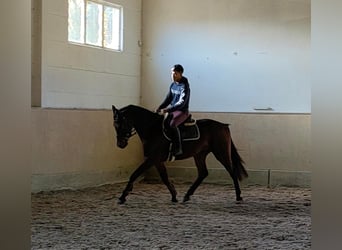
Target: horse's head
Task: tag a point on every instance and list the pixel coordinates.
(123, 127)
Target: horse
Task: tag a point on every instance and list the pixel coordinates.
(214, 137)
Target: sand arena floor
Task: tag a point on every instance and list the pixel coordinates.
(275, 218)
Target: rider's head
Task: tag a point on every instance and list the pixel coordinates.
(177, 72)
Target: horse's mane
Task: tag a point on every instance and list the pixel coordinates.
(134, 108)
(145, 121)
(140, 112)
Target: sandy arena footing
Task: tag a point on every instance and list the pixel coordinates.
(268, 218)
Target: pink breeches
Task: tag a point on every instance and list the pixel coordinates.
(178, 117)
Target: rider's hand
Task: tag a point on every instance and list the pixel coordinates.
(161, 111)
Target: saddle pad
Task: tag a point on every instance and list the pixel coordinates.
(188, 133)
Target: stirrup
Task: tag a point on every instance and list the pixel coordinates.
(180, 152)
(171, 157)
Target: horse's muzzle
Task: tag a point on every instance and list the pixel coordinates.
(121, 143)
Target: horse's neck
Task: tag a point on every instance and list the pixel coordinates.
(145, 122)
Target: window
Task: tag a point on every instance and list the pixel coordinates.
(96, 24)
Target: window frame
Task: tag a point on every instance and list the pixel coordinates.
(84, 38)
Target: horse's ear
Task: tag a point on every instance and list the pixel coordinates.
(113, 108)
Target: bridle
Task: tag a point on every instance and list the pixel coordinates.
(125, 130)
(128, 134)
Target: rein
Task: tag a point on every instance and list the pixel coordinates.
(133, 132)
(130, 134)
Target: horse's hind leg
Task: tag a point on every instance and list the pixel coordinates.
(163, 175)
(202, 173)
(236, 186)
(224, 159)
(144, 166)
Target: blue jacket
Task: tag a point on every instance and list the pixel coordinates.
(178, 96)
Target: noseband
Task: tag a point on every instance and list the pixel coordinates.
(128, 134)
(127, 130)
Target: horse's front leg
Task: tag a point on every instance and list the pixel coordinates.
(164, 176)
(142, 168)
(202, 174)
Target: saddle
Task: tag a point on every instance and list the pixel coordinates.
(188, 129)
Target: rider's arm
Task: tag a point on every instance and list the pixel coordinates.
(166, 101)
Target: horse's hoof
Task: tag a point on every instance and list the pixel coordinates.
(121, 201)
(239, 200)
(174, 200)
(186, 198)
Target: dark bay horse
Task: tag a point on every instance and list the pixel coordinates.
(215, 137)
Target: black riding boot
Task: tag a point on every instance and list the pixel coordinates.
(176, 142)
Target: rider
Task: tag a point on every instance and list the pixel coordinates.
(176, 104)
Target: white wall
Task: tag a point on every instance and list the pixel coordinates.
(76, 76)
(238, 54)
(77, 148)
(83, 77)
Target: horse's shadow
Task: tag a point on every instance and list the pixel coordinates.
(256, 207)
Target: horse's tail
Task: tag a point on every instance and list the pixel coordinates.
(238, 163)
